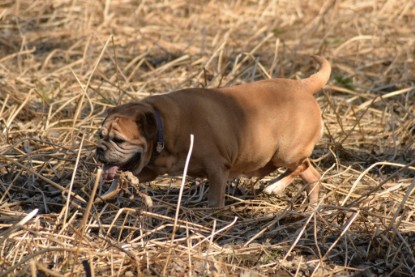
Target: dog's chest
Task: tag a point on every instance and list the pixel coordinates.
(173, 166)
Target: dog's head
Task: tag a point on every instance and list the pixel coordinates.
(127, 137)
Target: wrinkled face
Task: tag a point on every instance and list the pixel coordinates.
(126, 140)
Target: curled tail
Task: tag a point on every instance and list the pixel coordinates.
(315, 82)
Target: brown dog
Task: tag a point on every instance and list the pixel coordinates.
(250, 129)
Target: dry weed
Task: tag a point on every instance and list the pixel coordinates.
(63, 63)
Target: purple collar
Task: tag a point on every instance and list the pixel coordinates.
(160, 136)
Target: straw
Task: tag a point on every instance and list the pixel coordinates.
(64, 63)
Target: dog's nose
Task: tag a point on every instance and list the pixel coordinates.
(100, 150)
(100, 134)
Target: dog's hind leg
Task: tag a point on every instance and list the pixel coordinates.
(279, 184)
(311, 178)
(306, 171)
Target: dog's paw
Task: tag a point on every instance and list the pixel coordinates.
(275, 189)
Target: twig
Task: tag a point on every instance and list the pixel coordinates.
(73, 178)
(176, 217)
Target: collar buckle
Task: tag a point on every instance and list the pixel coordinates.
(160, 136)
(159, 147)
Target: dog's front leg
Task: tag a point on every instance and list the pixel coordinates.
(217, 187)
(147, 175)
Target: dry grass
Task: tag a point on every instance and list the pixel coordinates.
(62, 63)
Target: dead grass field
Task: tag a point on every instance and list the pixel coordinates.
(64, 62)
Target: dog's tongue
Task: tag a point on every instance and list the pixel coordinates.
(109, 171)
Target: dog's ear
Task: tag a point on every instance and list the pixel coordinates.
(109, 111)
(148, 124)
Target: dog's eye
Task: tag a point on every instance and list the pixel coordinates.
(117, 140)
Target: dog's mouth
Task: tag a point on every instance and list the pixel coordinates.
(110, 170)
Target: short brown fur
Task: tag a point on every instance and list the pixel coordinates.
(250, 129)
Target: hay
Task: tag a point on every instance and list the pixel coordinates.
(63, 63)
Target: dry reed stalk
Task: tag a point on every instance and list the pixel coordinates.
(179, 202)
(62, 64)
